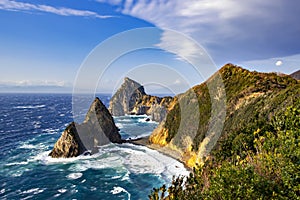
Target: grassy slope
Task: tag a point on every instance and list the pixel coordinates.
(252, 98)
(258, 153)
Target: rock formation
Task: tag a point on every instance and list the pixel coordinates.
(132, 99)
(296, 75)
(97, 129)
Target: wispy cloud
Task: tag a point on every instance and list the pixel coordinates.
(21, 6)
(251, 29)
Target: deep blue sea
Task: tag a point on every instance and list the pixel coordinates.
(30, 124)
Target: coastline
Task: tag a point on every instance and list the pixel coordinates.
(144, 141)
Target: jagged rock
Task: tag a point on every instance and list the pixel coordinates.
(125, 98)
(132, 99)
(69, 144)
(97, 129)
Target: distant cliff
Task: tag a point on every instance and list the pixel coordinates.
(296, 75)
(131, 98)
(252, 98)
(97, 129)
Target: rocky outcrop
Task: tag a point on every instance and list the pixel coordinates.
(132, 99)
(97, 129)
(296, 75)
(125, 98)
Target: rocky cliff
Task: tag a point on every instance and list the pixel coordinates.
(296, 75)
(131, 98)
(97, 129)
(192, 126)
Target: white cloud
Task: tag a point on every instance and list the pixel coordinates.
(229, 29)
(278, 63)
(22, 83)
(20, 6)
(180, 45)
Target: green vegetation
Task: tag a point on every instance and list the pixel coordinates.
(269, 171)
(258, 153)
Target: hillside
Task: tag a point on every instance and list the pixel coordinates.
(257, 154)
(251, 99)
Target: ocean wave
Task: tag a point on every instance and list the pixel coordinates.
(30, 107)
(50, 130)
(117, 190)
(33, 190)
(74, 176)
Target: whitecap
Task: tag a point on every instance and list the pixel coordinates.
(2, 191)
(17, 163)
(27, 146)
(33, 190)
(30, 106)
(74, 176)
(117, 190)
(62, 190)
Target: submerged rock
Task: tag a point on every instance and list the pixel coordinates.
(97, 129)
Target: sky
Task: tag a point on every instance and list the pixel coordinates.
(46, 46)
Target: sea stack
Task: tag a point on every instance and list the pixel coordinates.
(125, 98)
(97, 129)
(131, 98)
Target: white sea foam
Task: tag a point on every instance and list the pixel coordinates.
(62, 190)
(2, 191)
(50, 130)
(30, 107)
(74, 176)
(33, 190)
(17, 163)
(119, 125)
(27, 146)
(118, 190)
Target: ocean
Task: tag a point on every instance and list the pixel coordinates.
(30, 124)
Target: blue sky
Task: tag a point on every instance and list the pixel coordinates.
(44, 43)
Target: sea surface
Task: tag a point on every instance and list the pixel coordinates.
(30, 124)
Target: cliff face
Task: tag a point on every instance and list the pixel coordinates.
(251, 100)
(97, 129)
(132, 99)
(296, 75)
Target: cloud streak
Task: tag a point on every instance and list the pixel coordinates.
(20, 6)
(230, 30)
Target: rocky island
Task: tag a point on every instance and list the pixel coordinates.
(97, 129)
(131, 98)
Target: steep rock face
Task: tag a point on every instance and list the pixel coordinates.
(132, 99)
(69, 144)
(251, 100)
(97, 129)
(296, 75)
(124, 99)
